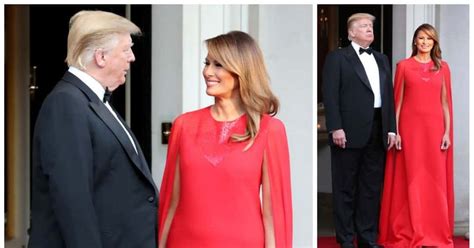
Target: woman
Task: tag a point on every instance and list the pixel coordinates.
(219, 158)
(417, 202)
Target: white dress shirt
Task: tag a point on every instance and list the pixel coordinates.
(372, 71)
(99, 90)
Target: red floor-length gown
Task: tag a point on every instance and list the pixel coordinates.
(219, 203)
(418, 199)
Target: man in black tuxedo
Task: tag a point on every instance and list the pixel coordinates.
(92, 187)
(359, 106)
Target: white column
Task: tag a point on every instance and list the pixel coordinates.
(406, 18)
(416, 15)
(201, 22)
(191, 57)
(212, 24)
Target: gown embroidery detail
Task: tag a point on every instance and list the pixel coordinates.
(216, 143)
(426, 71)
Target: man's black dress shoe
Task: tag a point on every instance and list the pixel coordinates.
(365, 245)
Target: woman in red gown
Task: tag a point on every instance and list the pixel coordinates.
(221, 156)
(417, 202)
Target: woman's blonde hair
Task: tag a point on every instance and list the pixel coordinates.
(435, 53)
(240, 55)
(92, 30)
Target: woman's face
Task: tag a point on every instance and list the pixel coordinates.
(219, 81)
(424, 42)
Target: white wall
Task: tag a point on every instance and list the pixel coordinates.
(285, 36)
(167, 67)
(284, 33)
(454, 39)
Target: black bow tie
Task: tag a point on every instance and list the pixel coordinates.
(368, 50)
(107, 95)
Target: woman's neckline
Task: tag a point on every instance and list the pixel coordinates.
(420, 61)
(223, 121)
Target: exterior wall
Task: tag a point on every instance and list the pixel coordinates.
(453, 27)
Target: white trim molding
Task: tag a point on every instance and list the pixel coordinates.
(417, 15)
(201, 22)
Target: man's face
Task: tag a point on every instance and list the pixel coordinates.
(118, 60)
(362, 32)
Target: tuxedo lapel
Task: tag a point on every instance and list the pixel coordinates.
(114, 126)
(104, 114)
(143, 164)
(357, 65)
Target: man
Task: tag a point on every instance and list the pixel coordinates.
(91, 184)
(359, 105)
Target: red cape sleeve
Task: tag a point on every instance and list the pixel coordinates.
(398, 82)
(449, 163)
(390, 168)
(166, 189)
(278, 164)
(390, 184)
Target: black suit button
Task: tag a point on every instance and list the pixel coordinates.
(151, 199)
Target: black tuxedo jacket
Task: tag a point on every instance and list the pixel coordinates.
(349, 100)
(90, 188)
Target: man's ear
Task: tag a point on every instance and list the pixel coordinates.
(99, 57)
(351, 33)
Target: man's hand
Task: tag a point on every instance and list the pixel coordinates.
(398, 142)
(391, 141)
(339, 138)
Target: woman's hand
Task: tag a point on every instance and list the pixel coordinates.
(445, 142)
